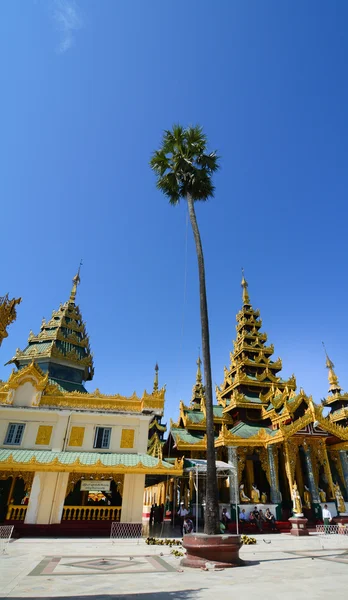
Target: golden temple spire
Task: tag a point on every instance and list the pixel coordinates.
(333, 379)
(155, 383)
(198, 388)
(244, 284)
(76, 280)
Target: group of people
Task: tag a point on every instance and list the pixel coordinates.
(258, 518)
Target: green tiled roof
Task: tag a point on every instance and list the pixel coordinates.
(252, 398)
(46, 457)
(186, 436)
(67, 386)
(195, 416)
(217, 410)
(37, 349)
(245, 430)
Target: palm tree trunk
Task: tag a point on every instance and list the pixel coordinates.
(211, 522)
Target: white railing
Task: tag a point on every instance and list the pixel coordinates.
(5, 536)
(126, 531)
(332, 530)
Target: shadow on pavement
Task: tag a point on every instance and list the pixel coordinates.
(175, 595)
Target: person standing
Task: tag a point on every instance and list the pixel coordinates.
(182, 513)
(327, 518)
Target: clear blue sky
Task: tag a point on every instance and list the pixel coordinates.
(87, 88)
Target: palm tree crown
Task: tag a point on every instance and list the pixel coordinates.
(183, 166)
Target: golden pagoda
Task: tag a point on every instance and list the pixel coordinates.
(66, 453)
(272, 436)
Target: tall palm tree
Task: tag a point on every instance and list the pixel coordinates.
(184, 170)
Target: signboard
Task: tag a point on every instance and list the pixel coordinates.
(95, 486)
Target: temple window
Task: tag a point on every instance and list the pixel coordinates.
(102, 437)
(14, 434)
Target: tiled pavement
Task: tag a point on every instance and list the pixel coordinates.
(279, 566)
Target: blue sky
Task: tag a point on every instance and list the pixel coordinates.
(87, 88)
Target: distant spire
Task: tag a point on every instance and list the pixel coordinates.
(76, 280)
(333, 379)
(244, 284)
(155, 383)
(198, 388)
(199, 372)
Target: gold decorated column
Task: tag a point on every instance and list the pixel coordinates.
(290, 455)
(249, 467)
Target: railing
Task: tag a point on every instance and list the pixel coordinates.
(89, 513)
(332, 530)
(16, 512)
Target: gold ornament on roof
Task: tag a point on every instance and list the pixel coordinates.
(8, 314)
(244, 284)
(76, 281)
(155, 383)
(333, 379)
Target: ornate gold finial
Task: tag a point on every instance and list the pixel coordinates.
(155, 383)
(8, 314)
(244, 284)
(333, 379)
(199, 372)
(76, 280)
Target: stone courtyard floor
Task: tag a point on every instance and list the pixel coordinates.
(278, 566)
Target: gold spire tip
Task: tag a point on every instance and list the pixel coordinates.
(155, 382)
(332, 377)
(199, 372)
(76, 280)
(244, 284)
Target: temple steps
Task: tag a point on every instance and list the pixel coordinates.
(64, 529)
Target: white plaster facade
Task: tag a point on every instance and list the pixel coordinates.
(49, 488)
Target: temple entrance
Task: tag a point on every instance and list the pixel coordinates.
(254, 478)
(93, 499)
(14, 497)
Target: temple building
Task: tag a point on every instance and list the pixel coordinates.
(66, 454)
(270, 437)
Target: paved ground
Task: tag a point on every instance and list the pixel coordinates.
(279, 566)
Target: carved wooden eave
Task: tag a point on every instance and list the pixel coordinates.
(252, 347)
(10, 465)
(313, 414)
(226, 438)
(338, 415)
(31, 373)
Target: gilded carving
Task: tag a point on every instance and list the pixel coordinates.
(265, 463)
(8, 314)
(76, 436)
(241, 457)
(44, 433)
(127, 438)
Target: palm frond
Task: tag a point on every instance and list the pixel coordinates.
(183, 166)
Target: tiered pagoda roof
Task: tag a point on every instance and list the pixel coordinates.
(156, 429)
(336, 399)
(255, 405)
(61, 348)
